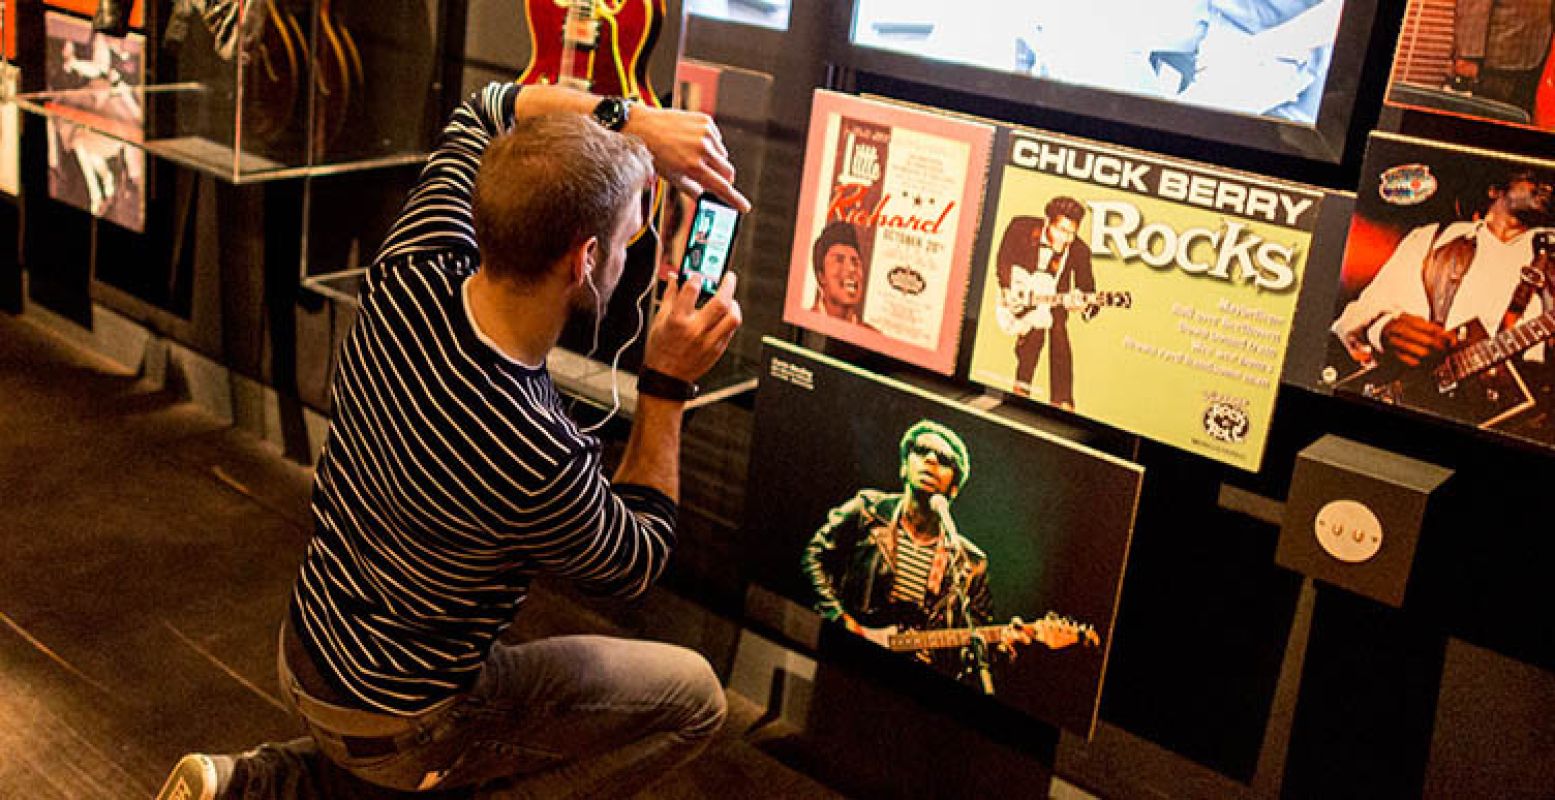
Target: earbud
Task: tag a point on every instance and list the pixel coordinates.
(589, 279)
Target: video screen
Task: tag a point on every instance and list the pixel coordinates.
(761, 13)
(1263, 58)
(985, 550)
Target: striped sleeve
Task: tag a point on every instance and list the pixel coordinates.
(613, 540)
(437, 214)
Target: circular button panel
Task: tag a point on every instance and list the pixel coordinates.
(1348, 531)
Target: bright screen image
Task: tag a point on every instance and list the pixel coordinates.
(1266, 58)
(712, 234)
(761, 13)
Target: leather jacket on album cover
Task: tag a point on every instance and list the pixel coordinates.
(848, 565)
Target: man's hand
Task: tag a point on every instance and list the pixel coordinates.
(685, 341)
(1015, 633)
(1466, 68)
(687, 151)
(1412, 340)
(880, 636)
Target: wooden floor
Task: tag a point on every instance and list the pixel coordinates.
(148, 553)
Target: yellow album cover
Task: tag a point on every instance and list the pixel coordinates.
(1151, 294)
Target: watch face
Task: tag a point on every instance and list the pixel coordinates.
(611, 113)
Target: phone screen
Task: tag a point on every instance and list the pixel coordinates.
(713, 226)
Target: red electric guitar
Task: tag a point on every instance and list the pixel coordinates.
(594, 45)
(599, 46)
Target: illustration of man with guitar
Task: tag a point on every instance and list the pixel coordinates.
(1044, 272)
(1455, 321)
(893, 568)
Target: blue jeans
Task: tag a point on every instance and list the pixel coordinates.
(566, 716)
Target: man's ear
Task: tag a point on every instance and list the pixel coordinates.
(581, 260)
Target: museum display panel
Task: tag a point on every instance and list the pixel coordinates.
(1118, 306)
(264, 89)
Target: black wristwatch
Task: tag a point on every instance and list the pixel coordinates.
(613, 113)
(654, 383)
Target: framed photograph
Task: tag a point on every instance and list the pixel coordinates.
(888, 214)
(1151, 294)
(990, 552)
(94, 162)
(1447, 300)
(1478, 60)
(1280, 77)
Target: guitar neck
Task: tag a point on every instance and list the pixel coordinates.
(580, 35)
(949, 637)
(1505, 345)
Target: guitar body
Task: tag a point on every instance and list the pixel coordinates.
(272, 75)
(1029, 316)
(1544, 97)
(1034, 295)
(617, 64)
(336, 77)
(1486, 399)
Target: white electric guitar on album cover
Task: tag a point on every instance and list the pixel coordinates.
(1027, 305)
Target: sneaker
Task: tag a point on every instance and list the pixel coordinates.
(198, 777)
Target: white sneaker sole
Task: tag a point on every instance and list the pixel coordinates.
(193, 778)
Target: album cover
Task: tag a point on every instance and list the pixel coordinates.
(1477, 59)
(93, 80)
(888, 213)
(915, 523)
(1150, 294)
(1446, 302)
(10, 131)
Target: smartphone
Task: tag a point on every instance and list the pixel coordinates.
(711, 239)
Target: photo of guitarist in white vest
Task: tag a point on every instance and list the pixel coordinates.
(1456, 320)
(1044, 272)
(893, 568)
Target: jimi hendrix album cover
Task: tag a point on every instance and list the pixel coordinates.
(988, 551)
(1445, 305)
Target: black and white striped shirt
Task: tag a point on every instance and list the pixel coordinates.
(913, 563)
(452, 474)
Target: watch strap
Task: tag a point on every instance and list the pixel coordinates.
(654, 383)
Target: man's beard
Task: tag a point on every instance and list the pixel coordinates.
(591, 299)
(1534, 214)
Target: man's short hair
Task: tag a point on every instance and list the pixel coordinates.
(835, 233)
(961, 460)
(1062, 206)
(549, 184)
(1529, 175)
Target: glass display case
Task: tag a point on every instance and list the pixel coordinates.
(253, 90)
